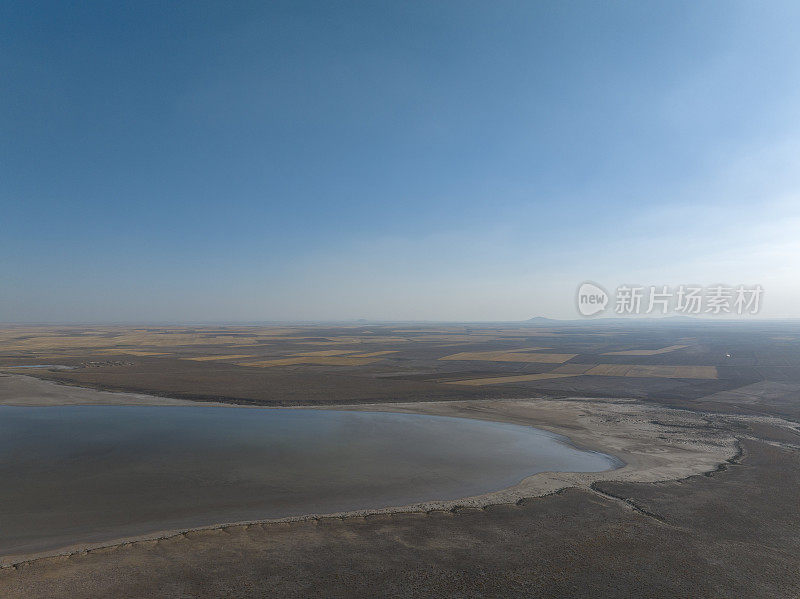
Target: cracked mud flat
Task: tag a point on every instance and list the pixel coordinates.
(677, 520)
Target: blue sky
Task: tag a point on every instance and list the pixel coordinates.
(385, 160)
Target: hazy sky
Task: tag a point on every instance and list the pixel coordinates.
(226, 161)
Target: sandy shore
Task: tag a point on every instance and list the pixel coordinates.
(655, 443)
(23, 390)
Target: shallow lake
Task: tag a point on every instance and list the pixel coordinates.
(87, 474)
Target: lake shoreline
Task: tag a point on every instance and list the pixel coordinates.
(627, 430)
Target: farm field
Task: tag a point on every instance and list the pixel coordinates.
(681, 365)
(698, 412)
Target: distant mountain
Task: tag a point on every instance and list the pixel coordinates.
(541, 320)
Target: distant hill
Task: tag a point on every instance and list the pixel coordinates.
(541, 320)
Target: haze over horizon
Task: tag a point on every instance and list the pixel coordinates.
(416, 161)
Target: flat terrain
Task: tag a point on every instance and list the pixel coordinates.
(712, 536)
(705, 415)
(742, 367)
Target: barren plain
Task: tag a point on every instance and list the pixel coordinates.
(704, 415)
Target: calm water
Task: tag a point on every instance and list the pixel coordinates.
(94, 473)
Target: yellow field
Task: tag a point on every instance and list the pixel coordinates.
(626, 370)
(38, 338)
(517, 355)
(327, 352)
(314, 360)
(336, 340)
(209, 358)
(423, 331)
(471, 337)
(327, 343)
(638, 370)
(275, 362)
(509, 379)
(91, 342)
(573, 368)
(142, 342)
(344, 361)
(130, 352)
(645, 352)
